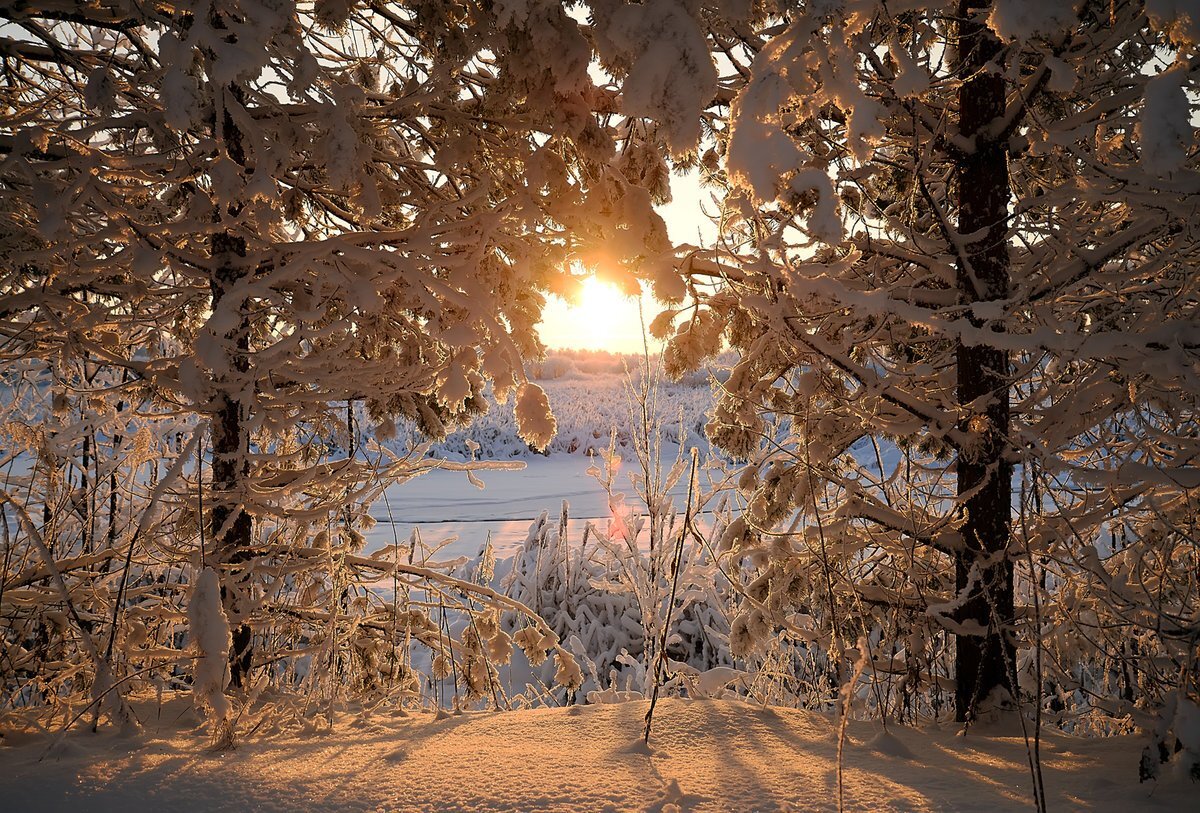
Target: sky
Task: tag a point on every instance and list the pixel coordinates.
(603, 319)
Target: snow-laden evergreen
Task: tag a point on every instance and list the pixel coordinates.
(963, 241)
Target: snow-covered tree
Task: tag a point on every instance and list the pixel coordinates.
(242, 217)
(958, 263)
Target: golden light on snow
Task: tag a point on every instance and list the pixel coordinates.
(600, 318)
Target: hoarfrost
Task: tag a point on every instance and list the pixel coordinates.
(209, 631)
(535, 421)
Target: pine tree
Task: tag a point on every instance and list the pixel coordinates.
(256, 217)
(956, 265)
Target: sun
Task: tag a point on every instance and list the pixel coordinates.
(600, 300)
(601, 318)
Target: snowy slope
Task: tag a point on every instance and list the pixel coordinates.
(705, 756)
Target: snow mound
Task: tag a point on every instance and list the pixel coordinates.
(889, 745)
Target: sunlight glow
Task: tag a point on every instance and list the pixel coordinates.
(605, 319)
(602, 318)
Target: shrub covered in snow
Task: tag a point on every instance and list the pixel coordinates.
(606, 596)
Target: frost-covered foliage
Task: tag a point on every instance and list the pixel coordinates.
(225, 224)
(339, 623)
(641, 601)
(958, 263)
(606, 595)
(956, 268)
(253, 243)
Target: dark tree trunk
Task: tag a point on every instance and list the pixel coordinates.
(232, 526)
(984, 662)
(85, 514)
(112, 483)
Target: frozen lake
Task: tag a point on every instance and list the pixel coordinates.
(444, 504)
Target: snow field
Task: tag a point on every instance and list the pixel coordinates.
(589, 395)
(705, 756)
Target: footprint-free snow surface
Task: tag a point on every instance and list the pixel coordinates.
(444, 504)
(704, 756)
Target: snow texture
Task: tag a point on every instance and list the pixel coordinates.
(1166, 127)
(672, 77)
(209, 631)
(704, 756)
(1025, 20)
(535, 423)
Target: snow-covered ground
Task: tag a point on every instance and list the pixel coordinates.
(592, 396)
(704, 756)
(444, 504)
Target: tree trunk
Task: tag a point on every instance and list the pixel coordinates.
(984, 662)
(232, 526)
